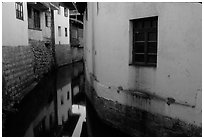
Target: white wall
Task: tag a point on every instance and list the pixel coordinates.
(14, 31)
(61, 20)
(178, 72)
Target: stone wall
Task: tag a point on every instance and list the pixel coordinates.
(43, 58)
(17, 71)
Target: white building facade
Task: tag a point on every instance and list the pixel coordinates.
(14, 24)
(135, 51)
(62, 25)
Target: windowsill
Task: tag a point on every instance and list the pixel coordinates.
(143, 65)
(38, 29)
(19, 19)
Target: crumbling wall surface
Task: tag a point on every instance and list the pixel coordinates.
(43, 58)
(138, 122)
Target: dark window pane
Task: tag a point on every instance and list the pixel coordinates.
(46, 20)
(152, 59)
(152, 36)
(36, 19)
(138, 47)
(145, 41)
(29, 12)
(139, 58)
(147, 24)
(138, 25)
(139, 36)
(68, 95)
(154, 23)
(152, 47)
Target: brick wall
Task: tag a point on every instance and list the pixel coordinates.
(22, 67)
(17, 70)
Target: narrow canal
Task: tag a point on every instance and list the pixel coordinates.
(57, 107)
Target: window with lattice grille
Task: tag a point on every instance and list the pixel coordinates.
(144, 50)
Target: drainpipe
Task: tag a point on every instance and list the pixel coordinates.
(93, 40)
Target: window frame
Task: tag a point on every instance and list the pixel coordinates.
(146, 54)
(19, 10)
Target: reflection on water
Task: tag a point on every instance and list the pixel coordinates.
(57, 107)
(46, 110)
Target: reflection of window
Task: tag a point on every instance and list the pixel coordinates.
(46, 20)
(59, 31)
(65, 12)
(39, 130)
(36, 19)
(65, 32)
(50, 120)
(19, 10)
(68, 95)
(63, 119)
(62, 100)
(144, 50)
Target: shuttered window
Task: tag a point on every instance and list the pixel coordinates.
(144, 50)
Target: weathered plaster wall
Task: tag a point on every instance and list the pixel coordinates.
(14, 31)
(178, 72)
(61, 20)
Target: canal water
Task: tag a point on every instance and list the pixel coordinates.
(57, 107)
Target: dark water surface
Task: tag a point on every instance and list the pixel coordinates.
(57, 107)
